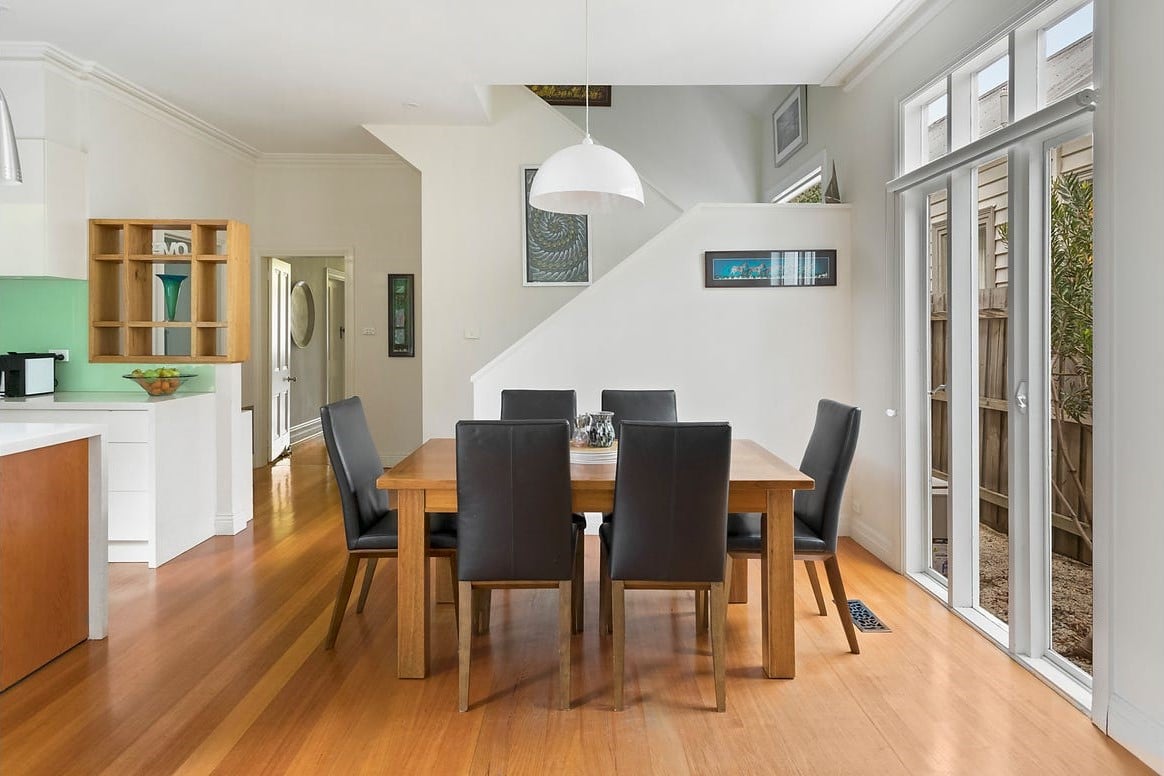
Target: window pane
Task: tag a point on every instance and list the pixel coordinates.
(1067, 64)
(935, 113)
(993, 96)
(1071, 420)
(938, 253)
(994, 448)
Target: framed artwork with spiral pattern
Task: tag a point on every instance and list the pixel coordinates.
(555, 247)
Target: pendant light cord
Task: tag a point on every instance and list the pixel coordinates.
(586, 27)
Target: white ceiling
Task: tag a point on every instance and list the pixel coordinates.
(299, 76)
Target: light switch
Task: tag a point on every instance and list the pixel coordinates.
(473, 332)
(369, 331)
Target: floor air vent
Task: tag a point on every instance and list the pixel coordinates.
(864, 618)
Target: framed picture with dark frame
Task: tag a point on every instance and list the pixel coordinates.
(401, 316)
(790, 125)
(769, 269)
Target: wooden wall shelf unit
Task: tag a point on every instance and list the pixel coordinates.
(123, 320)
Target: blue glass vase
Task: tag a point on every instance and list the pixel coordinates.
(171, 284)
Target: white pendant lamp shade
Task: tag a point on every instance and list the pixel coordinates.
(9, 158)
(586, 178)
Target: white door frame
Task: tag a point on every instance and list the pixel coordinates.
(261, 258)
(342, 277)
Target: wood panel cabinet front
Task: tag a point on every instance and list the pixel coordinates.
(44, 556)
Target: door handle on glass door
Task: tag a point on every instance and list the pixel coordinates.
(1020, 396)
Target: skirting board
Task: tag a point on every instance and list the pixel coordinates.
(1136, 731)
(304, 431)
(873, 540)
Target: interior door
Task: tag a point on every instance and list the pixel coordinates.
(280, 350)
(335, 336)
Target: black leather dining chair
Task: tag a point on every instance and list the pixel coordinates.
(513, 523)
(651, 405)
(671, 496)
(817, 512)
(542, 404)
(656, 406)
(370, 527)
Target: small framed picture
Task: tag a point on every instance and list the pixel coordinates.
(769, 269)
(790, 125)
(401, 316)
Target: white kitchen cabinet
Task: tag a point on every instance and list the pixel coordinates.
(44, 221)
(160, 465)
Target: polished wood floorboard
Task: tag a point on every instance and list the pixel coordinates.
(215, 664)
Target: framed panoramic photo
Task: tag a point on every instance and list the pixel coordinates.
(790, 125)
(401, 316)
(769, 269)
(555, 247)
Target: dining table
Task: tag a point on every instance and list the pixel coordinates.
(760, 481)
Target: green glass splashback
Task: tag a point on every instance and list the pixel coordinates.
(37, 314)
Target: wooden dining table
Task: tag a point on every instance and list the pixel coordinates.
(426, 481)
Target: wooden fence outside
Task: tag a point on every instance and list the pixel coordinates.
(992, 420)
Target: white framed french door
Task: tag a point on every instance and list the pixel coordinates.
(986, 454)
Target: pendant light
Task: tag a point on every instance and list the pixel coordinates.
(587, 177)
(9, 158)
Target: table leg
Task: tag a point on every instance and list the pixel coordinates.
(739, 588)
(412, 585)
(776, 570)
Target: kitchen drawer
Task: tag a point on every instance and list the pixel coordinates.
(129, 467)
(129, 516)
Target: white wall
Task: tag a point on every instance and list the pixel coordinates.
(696, 143)
(471, 194)
(857, 129)
(368, 209)
(1129, 369)
(757, 357)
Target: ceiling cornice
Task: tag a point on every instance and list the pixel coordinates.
(902, 23)
(142, 98)
(331, 160)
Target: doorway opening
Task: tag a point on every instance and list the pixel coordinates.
(306, 345)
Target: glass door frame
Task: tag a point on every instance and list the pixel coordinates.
(1026, 144)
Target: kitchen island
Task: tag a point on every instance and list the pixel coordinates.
(161, 484)
(54, 572)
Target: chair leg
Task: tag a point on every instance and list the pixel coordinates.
(700, 611)
(464, 642)
(369, 570)
(719, 642)
(578, 604)
(450, 565)
(604, 624)
(618, 615)
(455, 590)
(833, 570)
(565, 631)
(341, 600)
(815, 582)
(480, 598)
(728, 567)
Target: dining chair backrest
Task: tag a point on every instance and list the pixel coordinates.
(827, 460)
(513, 500)
(356, 465)
(654, 406)
(521, 404)
(671, 497)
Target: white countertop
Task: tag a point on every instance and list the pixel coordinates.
(91, 400)
(22, 437)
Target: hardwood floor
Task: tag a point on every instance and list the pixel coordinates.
(215, 663)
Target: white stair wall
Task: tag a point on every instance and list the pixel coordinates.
(757, 357)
